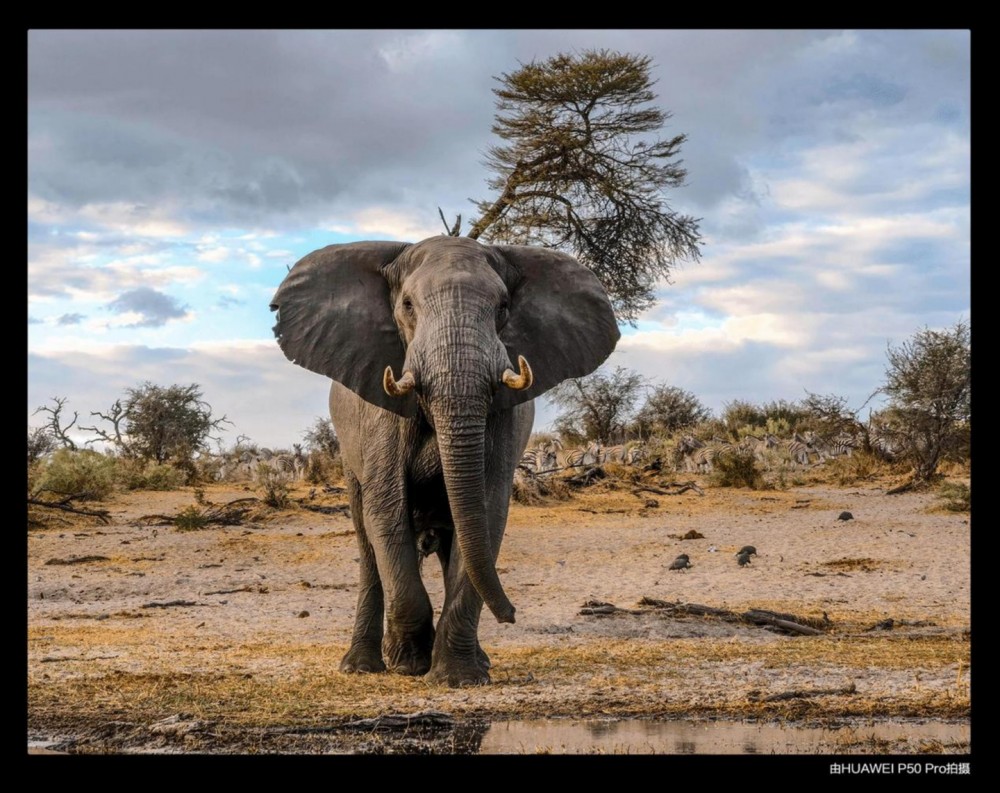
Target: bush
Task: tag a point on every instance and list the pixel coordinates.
(136, 475)
(955, 496)
(737, 468)
(191, 518)
(88, 475)
(859, 467)
(274, 487)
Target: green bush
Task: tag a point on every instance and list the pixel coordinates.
(88, 475)
(955, 496)
(737, 468)
(137, 475)
(191, 518)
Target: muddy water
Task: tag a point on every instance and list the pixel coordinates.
(686, 737)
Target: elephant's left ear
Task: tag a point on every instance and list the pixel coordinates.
(561, 320)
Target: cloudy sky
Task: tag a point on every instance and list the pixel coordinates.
(174, 176)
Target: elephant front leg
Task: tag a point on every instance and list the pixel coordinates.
(409, 618)
(365, 654)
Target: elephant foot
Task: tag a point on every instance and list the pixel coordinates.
(482, 658)
(409, 655)
(457, 674)
(362, 659)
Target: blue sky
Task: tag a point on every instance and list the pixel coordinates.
(174, 176)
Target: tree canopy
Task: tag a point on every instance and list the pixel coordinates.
(598, 406)
(929, 386)
(159, 423)
(583, 171)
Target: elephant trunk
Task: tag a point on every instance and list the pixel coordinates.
(461, 442)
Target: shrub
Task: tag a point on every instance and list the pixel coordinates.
(88, 475)
(136, 475)
(737, 468)
(274, 487)
(955, 496)
(859, 467)
(191, 518)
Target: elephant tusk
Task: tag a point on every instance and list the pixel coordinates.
(519, 382)
(394, 388)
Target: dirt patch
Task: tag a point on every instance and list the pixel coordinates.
(234, 656)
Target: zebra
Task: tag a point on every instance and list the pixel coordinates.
(799, 448)
(696, 455)
(759, 447)
(840, 446)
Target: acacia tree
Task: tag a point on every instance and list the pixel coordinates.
(598, 406)
(929, 385)
(668, 409)
(159, 423)
(583, 172)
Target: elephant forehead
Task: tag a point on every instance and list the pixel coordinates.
(444, 274)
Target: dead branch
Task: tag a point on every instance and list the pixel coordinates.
(79, 560)
(260, 590)
(115, 416)
(338, 509)
(101, 514)
(755, 696)
(55, 660)
(598, 608)
(903, 488)
(170, 604)
(402, 721)
(587, 478)
(54, 426)
(785, 622)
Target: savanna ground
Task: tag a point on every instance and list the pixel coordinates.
(227, 639)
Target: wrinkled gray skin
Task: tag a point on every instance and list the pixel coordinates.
(431, 470)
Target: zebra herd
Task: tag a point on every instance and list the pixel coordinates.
(552, 456)
(256, 464)
(800, 449)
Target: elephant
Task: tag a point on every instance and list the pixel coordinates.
(429, 458)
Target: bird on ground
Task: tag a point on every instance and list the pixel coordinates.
(747, 550)
(845, 515)
(680, 563)
(743, 559)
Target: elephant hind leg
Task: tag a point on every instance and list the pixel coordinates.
(365, 654)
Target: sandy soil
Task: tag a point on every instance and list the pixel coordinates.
(266, 612)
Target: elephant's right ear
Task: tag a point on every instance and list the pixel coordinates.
(335, 318)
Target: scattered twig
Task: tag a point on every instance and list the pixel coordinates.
(884, 625)
(823, 575)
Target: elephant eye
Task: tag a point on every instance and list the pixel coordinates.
(502, 316)
(407, 305)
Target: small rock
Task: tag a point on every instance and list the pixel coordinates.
(303, 614)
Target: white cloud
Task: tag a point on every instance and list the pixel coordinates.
(382, 223)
